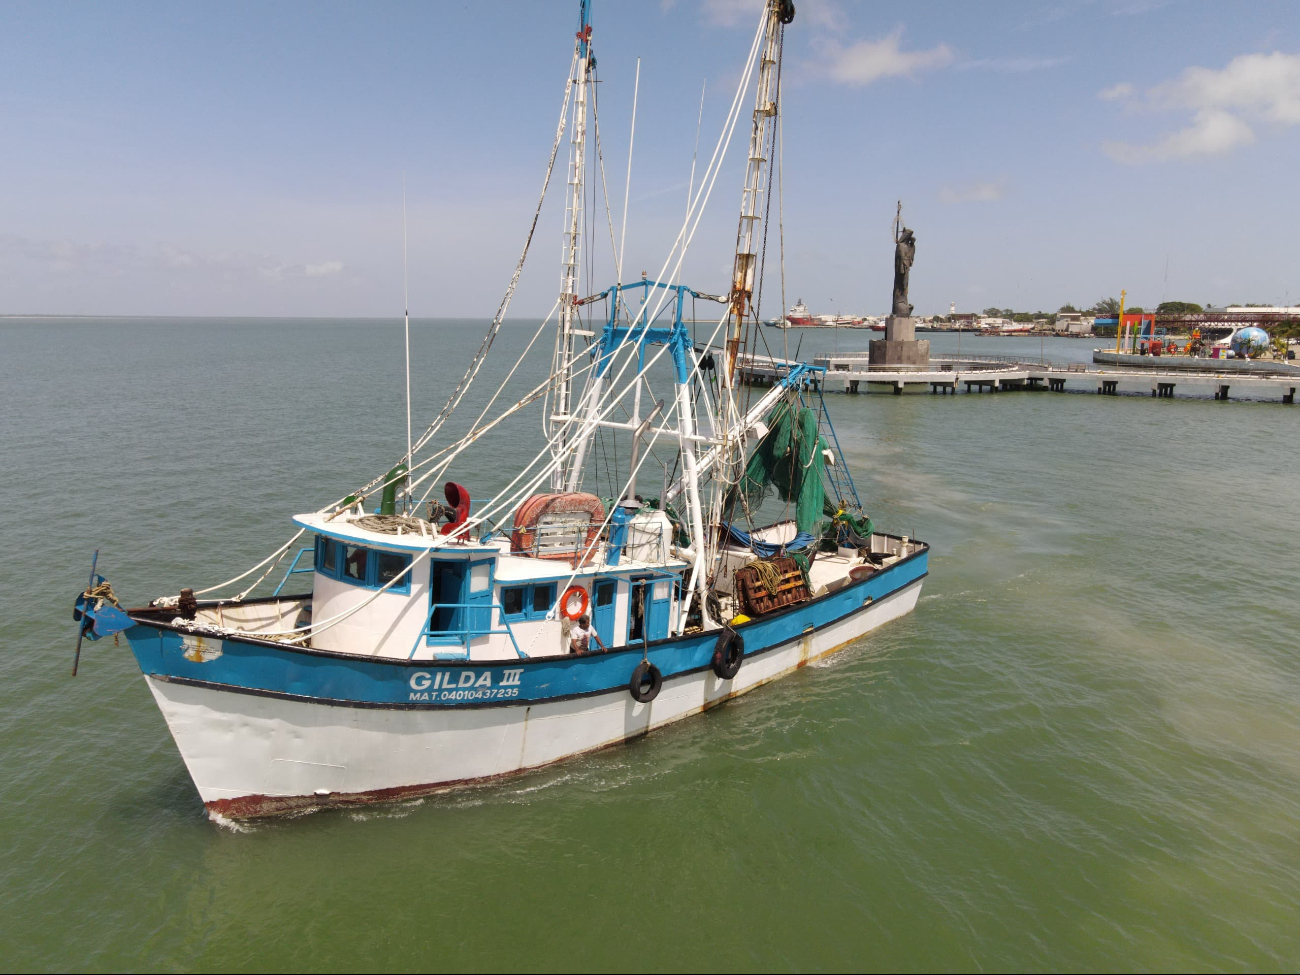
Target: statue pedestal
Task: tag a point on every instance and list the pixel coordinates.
(900, 328)
(899, 347)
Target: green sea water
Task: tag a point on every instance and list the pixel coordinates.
(1080, 752)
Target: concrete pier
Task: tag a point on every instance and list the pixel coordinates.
(854, 373)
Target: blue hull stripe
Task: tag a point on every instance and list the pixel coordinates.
(267, 669)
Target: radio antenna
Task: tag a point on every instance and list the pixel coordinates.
(406, 303)
(627, 190)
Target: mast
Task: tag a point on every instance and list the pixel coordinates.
(562, 364)
(729, 456)
(779, 13)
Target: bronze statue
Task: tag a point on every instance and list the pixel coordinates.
(904, 255)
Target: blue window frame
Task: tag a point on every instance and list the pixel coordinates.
(357, 565)
(388, 566)
(326, 556)
(528, 602)
(543, 599)
(512, 602)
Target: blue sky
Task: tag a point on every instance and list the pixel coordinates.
(247, 159)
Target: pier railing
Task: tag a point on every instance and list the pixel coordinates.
(1002, 361)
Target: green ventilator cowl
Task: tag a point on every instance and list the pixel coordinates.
(392, 481)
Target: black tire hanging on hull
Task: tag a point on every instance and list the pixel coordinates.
(728, 654)
(646, 682)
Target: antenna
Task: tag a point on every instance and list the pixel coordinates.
(406, 302)
(690, 186)
(627, 189)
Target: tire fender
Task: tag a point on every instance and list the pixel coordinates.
(646, 682)
(728, 654)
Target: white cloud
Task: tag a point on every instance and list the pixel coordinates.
(1252, 88)
(729, 13)
(1267, 85)
(324, 269)
(1210, 132)
(825, 14)
(973, 192)
(864, 62)
(1116, 92)
(1012, 65)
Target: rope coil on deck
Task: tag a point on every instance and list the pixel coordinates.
(768, 574)
(396, 525)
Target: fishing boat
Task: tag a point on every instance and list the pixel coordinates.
(446, 640)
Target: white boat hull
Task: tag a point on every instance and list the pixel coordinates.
(251, 754)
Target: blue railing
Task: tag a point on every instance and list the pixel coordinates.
(467, 632)
(293, 568)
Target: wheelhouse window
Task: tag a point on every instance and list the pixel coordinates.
(512, 600)
(533, 602)
(327, 559)
(356, 562)
(357, 565)
(390, 565)
(543, 599)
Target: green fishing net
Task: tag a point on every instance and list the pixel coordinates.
(790, 460)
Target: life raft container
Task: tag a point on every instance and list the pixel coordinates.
(558, 526)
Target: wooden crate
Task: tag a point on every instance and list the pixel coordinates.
(753, 596)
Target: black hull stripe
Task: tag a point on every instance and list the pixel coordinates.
(514, 703)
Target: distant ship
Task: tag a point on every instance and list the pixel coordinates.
(1004, 326)
(800, 316)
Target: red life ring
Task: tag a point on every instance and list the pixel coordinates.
(568, 595)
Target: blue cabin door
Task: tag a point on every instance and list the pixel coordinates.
(602, 610)
(446, 592)
(479, 598)
(647, 609)
(657, 601)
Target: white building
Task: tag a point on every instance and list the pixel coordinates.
(1258, 310)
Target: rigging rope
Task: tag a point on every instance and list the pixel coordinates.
(680, 247)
